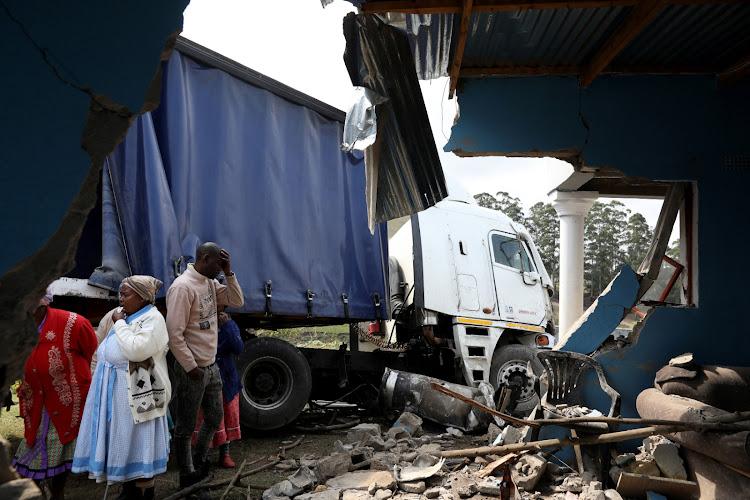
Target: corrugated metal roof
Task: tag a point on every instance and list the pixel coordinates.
(691, 35)
(559, 37)
(430, 38)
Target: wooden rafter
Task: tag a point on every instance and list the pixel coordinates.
(456, 6)
(635, 22)
(577, 70)
(460, 45)
(735, 72)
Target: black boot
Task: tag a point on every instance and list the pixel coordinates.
(148, 493)
(129, 491)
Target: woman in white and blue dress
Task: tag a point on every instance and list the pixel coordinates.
(123, 435)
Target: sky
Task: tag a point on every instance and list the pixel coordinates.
(301, 44)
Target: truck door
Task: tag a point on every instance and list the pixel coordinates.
(520, 294)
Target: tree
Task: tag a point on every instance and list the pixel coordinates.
(673, 252)
(638, 237)
(486, 200)
(604, 230)
(544, 226)
(510, 206)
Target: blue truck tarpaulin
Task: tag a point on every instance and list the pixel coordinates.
(227, 161)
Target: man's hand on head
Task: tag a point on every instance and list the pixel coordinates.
(226, 264)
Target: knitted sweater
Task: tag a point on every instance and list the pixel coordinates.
(192, 321)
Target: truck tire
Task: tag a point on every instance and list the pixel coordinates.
(276, 383)
(511, 362)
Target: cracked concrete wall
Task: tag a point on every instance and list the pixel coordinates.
(662, 128)
(75, 74)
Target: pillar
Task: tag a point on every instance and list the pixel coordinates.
(571, 207)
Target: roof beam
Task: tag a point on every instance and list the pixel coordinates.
(635, 22)
(458, 55)
(735, 72)
(577, 70)
(456, 6)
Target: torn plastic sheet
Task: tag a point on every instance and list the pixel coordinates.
(404, 391)
(361, 126)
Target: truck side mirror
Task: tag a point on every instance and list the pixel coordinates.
(532, 277)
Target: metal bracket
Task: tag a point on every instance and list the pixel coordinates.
(345, 300)
(267, 288)
(310, 297)
(376, 300)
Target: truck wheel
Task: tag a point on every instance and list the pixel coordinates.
(510, 365)
(276, 383)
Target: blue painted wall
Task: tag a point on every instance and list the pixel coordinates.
(113, 48)
(666, 128)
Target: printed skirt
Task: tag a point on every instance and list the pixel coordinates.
(48, 457)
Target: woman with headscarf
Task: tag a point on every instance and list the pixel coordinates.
(52, 393)
(124, 435)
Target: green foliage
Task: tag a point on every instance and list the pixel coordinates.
(638, 237)
(673, 252)
(510, 206)
(544, 226)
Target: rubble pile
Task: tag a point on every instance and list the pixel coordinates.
(403, 463)
(657, 457)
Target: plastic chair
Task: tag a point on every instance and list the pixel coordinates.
(564, 372)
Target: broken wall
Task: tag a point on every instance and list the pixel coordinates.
(659, 127)
(74, 76)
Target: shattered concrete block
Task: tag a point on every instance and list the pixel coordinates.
(374, 442)
(454, 432)
(389, 443)
(362, 480)
(355, 434)
(425, 460)
(644, 464)
(573, 483)
(283, 489)
(510, 435)
(615, 472)
(433, 492)
(397, 433)
(493, 431)
(338, 446)
(410, 422)
(334, 465)
(528, 470)
(361, 454)
(409, 456)
(569, 495)
(324, 494)
(612, 495)
(432, 449)
(304, 478)
(489, 489)
(412, 487)
(668, 459)
(466, 491)
(383, 494)
(355, 495)
(308, 461)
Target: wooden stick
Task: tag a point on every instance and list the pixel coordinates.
(233, 481)
(577, 451)
(489, 410)
(611, 437)
(506, 399)
(736, 469)
(189, 490)
(284, 449)
(491, 467)
(323, 428)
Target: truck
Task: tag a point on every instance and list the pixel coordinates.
(232, 156)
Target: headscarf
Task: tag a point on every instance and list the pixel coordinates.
(45, 301)
(145, 286)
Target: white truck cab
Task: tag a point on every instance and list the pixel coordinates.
(475, 277)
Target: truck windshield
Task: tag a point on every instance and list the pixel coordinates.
(505, 252)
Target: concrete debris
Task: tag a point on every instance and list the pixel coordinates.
(362, 480)
(510, 435)
(493, 431)
(22, 489)
(325, 494)
(433, 492)
(466, 491)
(412, 486)
(592, 491)
(528, 471)
(416, 473)
(410, 422)
(666, 455)
(644, 464)
(573, 483)
(303, 479)
(612, 495)
(283, 489)
(334, 465)
(383, 494)
(425, 460)
(397, 433)
(371, 441)
(454, 432)
(489, 488)
(355, 434)
(355, 495)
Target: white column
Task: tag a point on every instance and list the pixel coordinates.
(571, 207)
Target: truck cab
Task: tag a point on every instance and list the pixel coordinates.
(470, 279)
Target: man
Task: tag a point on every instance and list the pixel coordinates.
(193, 336)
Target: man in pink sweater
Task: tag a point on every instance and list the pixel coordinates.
(192, 323)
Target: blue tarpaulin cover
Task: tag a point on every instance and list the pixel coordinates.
(226, 161)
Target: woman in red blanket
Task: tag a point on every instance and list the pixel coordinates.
(52, 395)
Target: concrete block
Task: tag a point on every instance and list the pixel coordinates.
(283, 489)
(528, 471)
(466, 491)
(304, 478)
(510, 435)
(489, 489)
(326, 494)
(412, 487)
(355, 495)
(362, 480)
(334, 465)
(612, 495)
(372, 441)
(573, 484)
(410, 422)
(355, 434)
(493, 431)
(397, 433)
(383, 494)
(644, 464)
(433, 492)
(668, 459)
